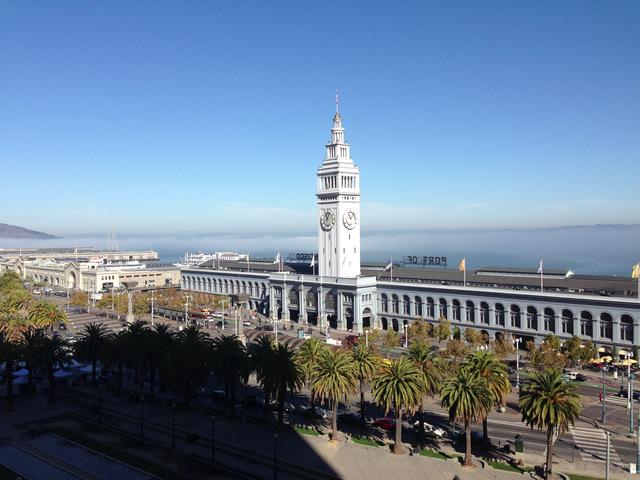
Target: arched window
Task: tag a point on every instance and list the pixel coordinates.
(626, 328)
(586, 324)
(418, 303)
(395, 304)
(455, 310)
(431, 308)
(443, 308)
(532, 318)
(499, 313)
(395, 325)
(567, 321)
(470, 313)
(484, 313)
(406, 305)
(515, 316)
(385, 323)
(384, 302)
(549, 320)
(606, 326)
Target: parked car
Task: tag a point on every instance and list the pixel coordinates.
(317, 412)
(246, 323)
(219, 395)
(351, 418)
(385, 422)
(430, 429)
(580, 377)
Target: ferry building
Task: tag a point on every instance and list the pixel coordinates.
(341, 292)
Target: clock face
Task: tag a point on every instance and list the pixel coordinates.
(350, 219)
(327, 220)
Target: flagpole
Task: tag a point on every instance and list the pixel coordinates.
(465, 272)
(392, 268)
(541, 276)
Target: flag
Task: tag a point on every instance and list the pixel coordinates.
(635, 271)
(463, 265)
(540, 267)
(277, 260)
(313, 261)
(389, 265)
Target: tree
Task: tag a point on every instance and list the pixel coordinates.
(334, 379)
(467, 397)
(503, 346)
(548, 402)
(419, 331)
(455, 351)
(401, 386)
(9, 354)
(54, 352)
(259, 354)
(30, 346)
(285, 375)
(137, 355)
(79, 299)
(390, 340)
(365, 365)
(164, 339)
(229, 355)
(307, 358)
(10, 281)
(443, 330)
(547, 355)
(45, 315)
(473, 337)
(488, 366)
(90, 345)
(427, 361)
(191, 362)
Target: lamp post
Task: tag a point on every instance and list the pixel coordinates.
(606, 476)
(173, 424)
(604, 395)
(152, 305)
(275, 453)
(142, 415)
(628, 356)
(213, 439)
(405, 327)
(366, 337)
(517, 342)
(631, 424)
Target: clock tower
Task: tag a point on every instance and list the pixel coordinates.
(339, 208)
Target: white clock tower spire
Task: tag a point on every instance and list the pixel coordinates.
(339, 207)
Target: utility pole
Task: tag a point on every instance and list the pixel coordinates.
(517, 344)
(631, 424)
(604, 395)
(608, 452)
(152, 312)
(186, 309)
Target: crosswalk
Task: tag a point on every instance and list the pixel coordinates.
(622, 401)
(592, 444)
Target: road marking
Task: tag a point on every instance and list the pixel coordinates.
(592, 444)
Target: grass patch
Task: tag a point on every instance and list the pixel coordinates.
(574, 476)
(306, 430)
(120, 455)
(425, 452)
(7, 474)
(507, 467)
(366, 441)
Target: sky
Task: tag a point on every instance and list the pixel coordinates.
(187, 117)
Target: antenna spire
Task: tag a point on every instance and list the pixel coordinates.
(337, 101)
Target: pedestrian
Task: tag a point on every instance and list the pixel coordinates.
(600, 396)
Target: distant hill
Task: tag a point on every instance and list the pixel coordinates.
(11, 231)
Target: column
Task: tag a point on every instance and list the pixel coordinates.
(302, 305)
(636, 333)
(272, 301)
(340, 318)
(616, 330)
(595, 323)
(285, 303)
(557, 327)
(476, 315)
(357, 313)
(412, 308)
(492, 317)
(320, 308)
(576, 326)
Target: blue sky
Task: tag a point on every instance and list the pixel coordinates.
(211, 117)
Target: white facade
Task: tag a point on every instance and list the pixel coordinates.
(338, 193)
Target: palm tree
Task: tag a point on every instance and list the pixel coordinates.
(259, 354)
(285, 375)
(45, 315)
(164, 339)
(9, 353)
(90, 345)
(30, 343)
(191, 361)
(548, 402)
(53, 352)
(308, 357)
(366, 365)
(228, 353)
(334, 379)
(400, 385)
(467, 397)
(427, 361)
(138, 333)
(114, 352)
(489, 367)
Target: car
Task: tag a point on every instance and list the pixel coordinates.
(430, 429)
(317, 412)
(580, 377)
(219, 395)
(246, 323)
(62, 326)
(385, 422)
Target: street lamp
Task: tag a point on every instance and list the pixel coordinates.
(152, 305)
(213, 439)
(604, 394)
(366, 337)
(405, 327)
(275, 453)
(142, 415)
(517, 341)
(173, 424)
